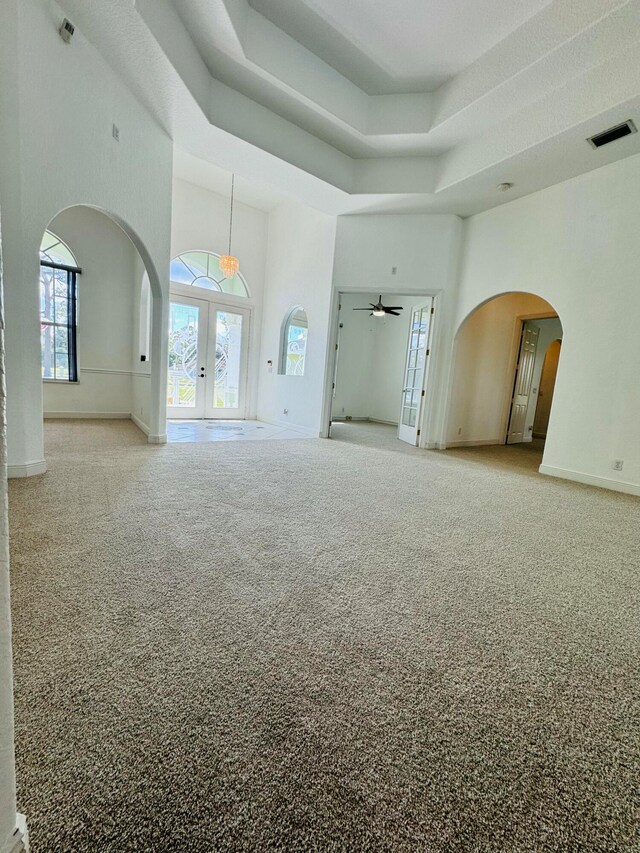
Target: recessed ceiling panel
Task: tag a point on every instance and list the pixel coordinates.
(398, 46)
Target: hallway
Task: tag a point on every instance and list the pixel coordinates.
(320, 644)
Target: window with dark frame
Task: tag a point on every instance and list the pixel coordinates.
(58, 310)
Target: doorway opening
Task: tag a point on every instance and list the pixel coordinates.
(90, 266)
(381, 368)
(506, 360)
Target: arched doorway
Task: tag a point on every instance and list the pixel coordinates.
(500, 350)
(91, 265)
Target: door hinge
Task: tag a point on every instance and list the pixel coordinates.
(433, 309)
(428, 352)
(333, 386)
(336, 346)
(339, 306)
(418, 433)
(423, 392)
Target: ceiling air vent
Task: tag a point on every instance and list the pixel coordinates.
(612, 134)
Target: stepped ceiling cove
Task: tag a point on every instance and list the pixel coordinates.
(415, 105)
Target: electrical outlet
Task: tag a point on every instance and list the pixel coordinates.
(285, 411)
(618, 464)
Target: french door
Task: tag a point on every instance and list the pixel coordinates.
(208, 345)
(414, 373)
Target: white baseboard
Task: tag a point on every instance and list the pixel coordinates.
(344, 419)
(18, 842)
(27, 469)
(591, 480)
(287, 425)
(140, 424)
(122, 416)
(157, 438)
(472, 442)
(153, 438)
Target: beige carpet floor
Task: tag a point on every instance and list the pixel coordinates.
(322, 646)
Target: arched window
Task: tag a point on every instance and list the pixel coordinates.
(202, 269)
(293, 344)
(58, 309)
(54, 251)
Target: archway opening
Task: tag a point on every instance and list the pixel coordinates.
(499, 364)
(91, 273)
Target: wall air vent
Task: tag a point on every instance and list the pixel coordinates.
(612, 134)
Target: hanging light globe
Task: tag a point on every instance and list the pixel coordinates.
(229, 266)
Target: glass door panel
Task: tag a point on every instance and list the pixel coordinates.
(226, 374)
(187, 326)
(208, 348)
(226, 389)
(412, 390)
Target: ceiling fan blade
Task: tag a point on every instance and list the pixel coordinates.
(389, 311)
(395, 307)
(361, 309)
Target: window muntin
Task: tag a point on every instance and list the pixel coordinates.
(54, 251)
(202, 269)
(294, 343)
(58, 310)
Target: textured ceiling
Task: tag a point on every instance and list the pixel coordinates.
(236, 90)
(401, 46)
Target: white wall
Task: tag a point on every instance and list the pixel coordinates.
(106, 292)
(483, 373)
(425, 250)
(141, 345)
(59, 103)
(576, 245)
(371, 358)
(200, 220)
(7, 754)
(299, 264)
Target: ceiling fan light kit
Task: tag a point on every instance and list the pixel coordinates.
(379, 310)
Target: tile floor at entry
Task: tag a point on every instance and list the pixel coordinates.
(227, 430)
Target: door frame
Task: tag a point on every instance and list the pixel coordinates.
(518, 326)
(428, 303)
(427, 414)
(226, 301)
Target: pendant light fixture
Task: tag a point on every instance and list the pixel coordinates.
(229, 265)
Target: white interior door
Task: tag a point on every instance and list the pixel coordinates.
(522, 384)
(413, 389)
(188, 322)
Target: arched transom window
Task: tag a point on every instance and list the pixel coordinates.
(54, 251)
(202, 269)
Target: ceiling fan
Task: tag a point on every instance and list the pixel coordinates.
(379, 310)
